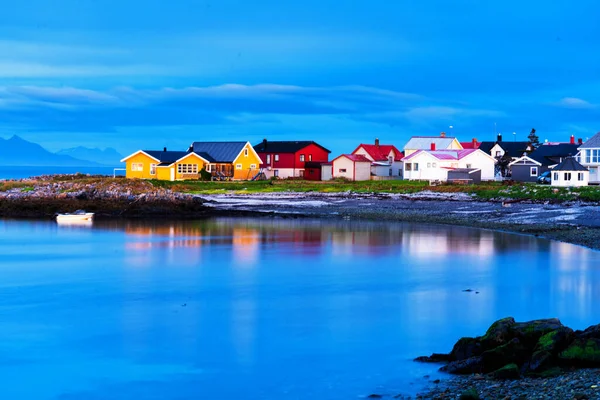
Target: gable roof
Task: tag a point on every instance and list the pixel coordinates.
(473, 144)
(549, 154)
(592, 143)
(220, 152)
(354, 158)
(443, 154)
(380, 152)
(529, 160)
(424, 142)
(569, 164)
(286, 146)
(486, 146)
(513, 149)
(159, 156)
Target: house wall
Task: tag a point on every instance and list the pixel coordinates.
(497, 151)
(164, 173)
(250, 164)
(479, 159)
(191, 159)
(563, 182)
(326, 172)
(289, 164)
(359, 171)
(312, 174)
(146, 161)
(586, 158)
(430, 168)
(522, 172)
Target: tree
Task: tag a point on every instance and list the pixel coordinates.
(533, 138)
(502, 164)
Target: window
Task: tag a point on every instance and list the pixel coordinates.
(276, 172)
(567, 176)
(152, 169)
(587, 154)
(302, 157)
(533, 171)
(137, 167)
(391, 172)
(580, 176)
(434, 165)
(416, 166)
(390, 159)
(310, 157)
(238, 166)
(268, 159)
(245, 152)
(342, 170)
(468, 165)
(276, 157)
(556, 176)
(252, 166)
(408, 167)
(208, 168)
(498, 153)
(428, 165)
(187, 168)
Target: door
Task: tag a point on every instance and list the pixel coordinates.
(172, 173)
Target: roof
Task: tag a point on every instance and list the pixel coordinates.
(553, 153)
(424, 142)
(465, 170)
(513, 149)
(592, 143)
(470, 145)
(220, 152)
(316, 164)
(166, 156)
(525, 160)
(443, 154)
(355, 158)
(569, 164)
(285, 146)
(380, 152)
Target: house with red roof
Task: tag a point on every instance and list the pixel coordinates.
(354, 167)
(435, 164)
(386, 159)
(473, 144)
(294, 159)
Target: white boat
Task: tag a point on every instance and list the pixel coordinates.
(78, 215)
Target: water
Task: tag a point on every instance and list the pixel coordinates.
(21, 172)
(263, 309)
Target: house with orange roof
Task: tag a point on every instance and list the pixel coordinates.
(386, 159)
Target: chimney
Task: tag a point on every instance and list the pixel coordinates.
(499, 137)
(580, 141)
(474, 143)
(377, 142)
(572, 139)
(443, 134)
(164, 149)
(264, 144)
(432, 147)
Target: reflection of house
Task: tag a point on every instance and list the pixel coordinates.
(545, 157)
(386, 159)
(435, 164)
(570, 173)
(589, 156)
(236, 160)
(166, 165)
(499, 148)
(354, 167)
(441, 142)
(286, 159)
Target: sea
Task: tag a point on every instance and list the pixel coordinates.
(271, 308)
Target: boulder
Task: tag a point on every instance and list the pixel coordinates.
(435, 358)
(466, 348)
(513, 352)
(499, 333)
(464, 367)
(555, 341)
(510, 371)
(530, 332)
(541, 361)
(583, 352)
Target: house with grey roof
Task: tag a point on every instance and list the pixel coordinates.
(570, 173)
(589, 157)
(432, 143)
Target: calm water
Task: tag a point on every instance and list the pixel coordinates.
(20, 172)
(263, 309)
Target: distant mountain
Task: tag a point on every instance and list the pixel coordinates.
(18, 151)
(108, 156)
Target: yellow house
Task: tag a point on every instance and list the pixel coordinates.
(441, 142)
(224, 160)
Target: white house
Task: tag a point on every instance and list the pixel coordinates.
(386, 159)
(589, 157)
(354, 167)
(441, 142)
(570, 173)
(435, 164)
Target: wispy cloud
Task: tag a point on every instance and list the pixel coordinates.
(574, 102)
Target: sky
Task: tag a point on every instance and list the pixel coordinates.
(148, 74)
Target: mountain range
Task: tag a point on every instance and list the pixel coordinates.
(18, 151)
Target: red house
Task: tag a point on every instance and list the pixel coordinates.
(298, 159)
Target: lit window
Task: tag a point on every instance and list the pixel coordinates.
(137, 167)
(310, 157)
(534, 171)
(238, 166)
(152, 169)
(276, 157)
(187, 168)
(302, 157)
(252, 166)
(268, 159)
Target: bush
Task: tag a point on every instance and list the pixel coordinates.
(205, 175)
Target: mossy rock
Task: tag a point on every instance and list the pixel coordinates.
(510, 371)
(548, 373)
(470, 394)
(466, 348)
(541, 360)
(464, 367)
(530, 332)
(512, 352)
(582, 353)
(500, 332)
(556, 341)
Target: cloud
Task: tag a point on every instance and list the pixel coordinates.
(574, 102)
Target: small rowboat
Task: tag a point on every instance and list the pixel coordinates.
(79, 215)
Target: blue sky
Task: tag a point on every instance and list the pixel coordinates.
(136, 74)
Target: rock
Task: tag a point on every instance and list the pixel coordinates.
(530, 332)
(540, 361)
(583, 352)
(510, 371)
(469, 366)
(374, 396)
(499, 333)
(470, 394)
(434, 358)
(511, 352)
(466, 348)
(556, 341)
